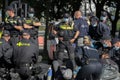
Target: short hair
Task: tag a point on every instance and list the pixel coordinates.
(78, 12)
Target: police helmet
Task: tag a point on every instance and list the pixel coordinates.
(31, 10)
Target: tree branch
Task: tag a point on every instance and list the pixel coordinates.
(94, 2)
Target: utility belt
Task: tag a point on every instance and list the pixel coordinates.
(88, 61)
(24, 65)
(34, 68)
(67, 38)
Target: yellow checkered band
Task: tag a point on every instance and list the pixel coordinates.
(19, 44)
(66, 27)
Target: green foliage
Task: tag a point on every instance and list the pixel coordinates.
(118, 25)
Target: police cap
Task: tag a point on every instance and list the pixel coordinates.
(9, 8)
(25, 32)
(31, 10)
(94, 19)
(66, 15)
(6, 33)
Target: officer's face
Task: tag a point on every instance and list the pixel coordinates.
(26, 36)
(31, 15)
(66, 20)
(9, 13)
(6, 37)
(77, 14)
(94, 23)
(108, 43)
(117, 44)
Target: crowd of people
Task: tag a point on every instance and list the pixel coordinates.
(84, 46)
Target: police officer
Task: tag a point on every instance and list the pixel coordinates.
(5, 55)
(104, 18)
(115, 51)
(90, 65)
(6, 50)
(32, 24)
(13, 24)
(98, 29)
(82, 26)
(66, 37)
(25, 55)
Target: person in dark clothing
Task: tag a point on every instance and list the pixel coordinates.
(115, 51)
(66, 35)
(25, 55)
(104, 19)
(32, 24)
(89, 61)
(81, 24)
(98, 29)
(6, 50)
(13, 24)
(110, 68)
(5, 56)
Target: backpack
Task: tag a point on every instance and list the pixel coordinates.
(110, 71)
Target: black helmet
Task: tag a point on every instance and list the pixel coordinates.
(31, 10)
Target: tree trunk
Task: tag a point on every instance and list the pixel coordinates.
(114, 26)
(99, 8)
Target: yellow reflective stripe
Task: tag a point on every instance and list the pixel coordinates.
(1, 34)
(6, 20)
(19, 44)
(13, 21)
(66, 27)
(28, 21)
(1, 42)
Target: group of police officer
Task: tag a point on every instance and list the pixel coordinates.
(78, 53)
(19, 50)
(81, 47)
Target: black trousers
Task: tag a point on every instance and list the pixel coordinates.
(91, 71)
(66, 45)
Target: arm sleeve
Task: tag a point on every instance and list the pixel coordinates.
(105, 29)
(8, 53)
